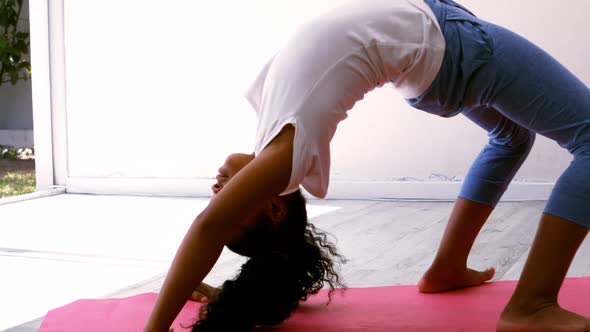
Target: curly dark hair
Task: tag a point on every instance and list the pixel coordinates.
(285, 266)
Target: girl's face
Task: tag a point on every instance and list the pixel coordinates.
(268, 213)
(233, 164)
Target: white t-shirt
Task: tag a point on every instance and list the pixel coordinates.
(329, 64)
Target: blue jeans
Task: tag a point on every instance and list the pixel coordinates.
(513, 90)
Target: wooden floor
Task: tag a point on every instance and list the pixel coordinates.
(392, 243)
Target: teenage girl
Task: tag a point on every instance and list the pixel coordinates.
(443, 60)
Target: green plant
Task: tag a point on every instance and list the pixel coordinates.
(14, 44)
(12, 184)
(9, 152)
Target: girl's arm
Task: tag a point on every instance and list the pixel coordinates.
(264, 177)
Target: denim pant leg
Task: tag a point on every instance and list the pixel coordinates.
(499, 160)
(511, 87)
(533, 90)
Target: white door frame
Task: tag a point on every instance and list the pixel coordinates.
(49, 94)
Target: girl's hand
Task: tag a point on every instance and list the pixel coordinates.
(205, 293)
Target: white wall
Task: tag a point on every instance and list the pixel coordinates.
(16, 115)
(154, 91)
(15, 106)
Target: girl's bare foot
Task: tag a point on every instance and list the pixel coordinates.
(533, 306)
(548, 317)
(441, 278)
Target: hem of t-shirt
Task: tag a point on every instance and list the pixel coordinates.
(290, 121)
(436, 65)
(420, 4)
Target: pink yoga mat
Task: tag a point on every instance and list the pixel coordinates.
(378, 309)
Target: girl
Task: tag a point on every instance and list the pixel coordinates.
(443, 60)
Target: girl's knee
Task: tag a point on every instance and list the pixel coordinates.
(513, 137)
(529, 141)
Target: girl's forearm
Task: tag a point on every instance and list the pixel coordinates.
(263, 178)
(188, 269)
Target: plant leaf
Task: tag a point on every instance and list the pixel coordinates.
(3, 42)
(25, 65)
(6, 61)
(3, 18)
(21, 46)
(13, 51)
